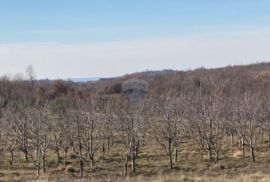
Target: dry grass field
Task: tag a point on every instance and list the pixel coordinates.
(152, 165)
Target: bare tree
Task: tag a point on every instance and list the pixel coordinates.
(205, 118)
(39, 132)
(265, 113)
(30, 74)
(107, 126)
(59, 109)
(9, 135)
(90, 129)
(132, 128)
(58, 137)
(248, 120)
(2, 134)
(169, 124)
(74, 120)
(58, 141)
(21, 121)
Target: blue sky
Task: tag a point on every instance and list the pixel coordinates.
(29, 27)
(78, 21)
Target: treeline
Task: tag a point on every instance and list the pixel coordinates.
(205, 106)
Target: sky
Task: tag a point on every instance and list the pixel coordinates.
(104, 38)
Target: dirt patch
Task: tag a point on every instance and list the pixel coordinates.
(237, 154)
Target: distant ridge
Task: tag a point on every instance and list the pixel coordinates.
(142, 74)
(83, 80)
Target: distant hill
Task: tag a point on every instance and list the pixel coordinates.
(143, 75)
(235, 77)
(227, 80)
(83, 80)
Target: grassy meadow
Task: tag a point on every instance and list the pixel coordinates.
(152, 165)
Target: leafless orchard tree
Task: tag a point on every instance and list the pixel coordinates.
(248, 120)
(6, 91)
(107, 127)
(90, 130)
(9, 135)
(266, 116)
(39, 134)
(74, 127)
(21, 122)
(133, 128)
(82, 126)
(205, 120)
(59, 141)
(169, 124)
(2, 133)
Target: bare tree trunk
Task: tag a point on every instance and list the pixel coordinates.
(103, 150)
(92, 160)
(269, 140)
(176, 156)
(38, 170)
(217, 157)
(240, 143)
(81, 167)
(126, 166)
(25, 148)
(170, 153)
(11, 158)
(252, 154)
(171, 160)
(262, 136)
(243, 147)
(210, 157)
(202, 144)
(58, 156)
(108, 145)
(66, 151)
(91, 163)
(232, 139)
(133, 164)
(43, 162)
(26, 155)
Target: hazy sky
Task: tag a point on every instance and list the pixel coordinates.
(93, 38)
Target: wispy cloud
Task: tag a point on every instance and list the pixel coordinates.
(56, 60)
(83, 30)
